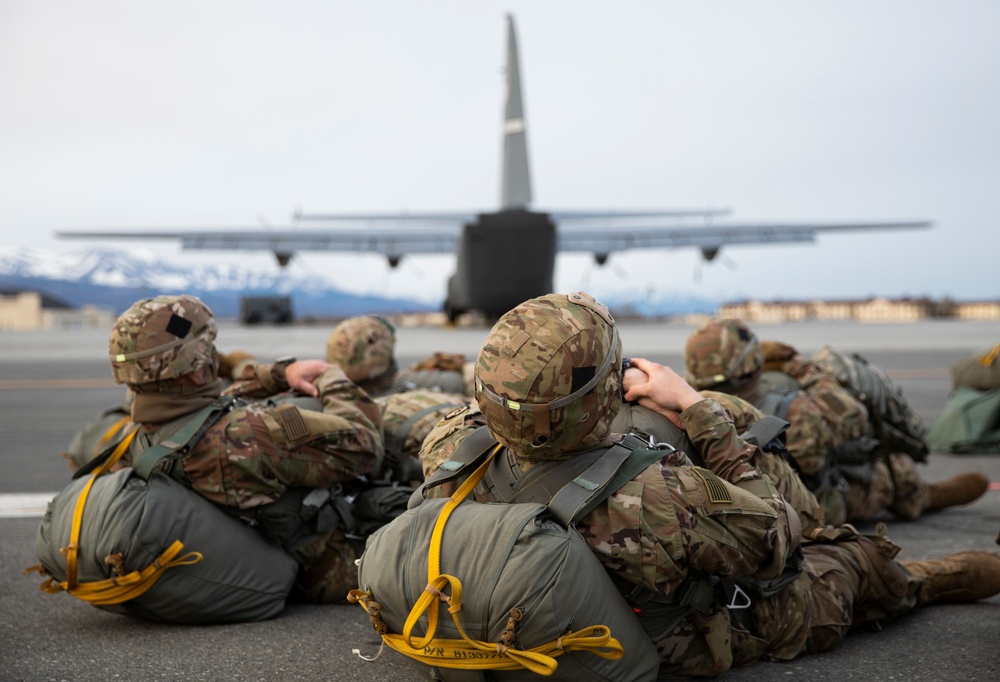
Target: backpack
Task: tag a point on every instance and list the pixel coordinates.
(969, 423)
(151, 548)
(526, 596)
(897, 427)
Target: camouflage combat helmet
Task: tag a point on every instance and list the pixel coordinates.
(161, 339)
(548, 377)
(363, 347)
(721, 352)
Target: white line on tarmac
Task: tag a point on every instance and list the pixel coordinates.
(24, 505)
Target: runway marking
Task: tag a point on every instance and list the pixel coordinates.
(21, 384)
(24, 505)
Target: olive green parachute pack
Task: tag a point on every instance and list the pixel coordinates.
(897, 427)
(147, 546)
(969, 423)
(524, 594)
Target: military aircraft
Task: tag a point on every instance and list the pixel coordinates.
(505, 256)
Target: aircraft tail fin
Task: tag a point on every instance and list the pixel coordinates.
(515, 190)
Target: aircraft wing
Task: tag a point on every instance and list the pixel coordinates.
(709, 238)
(389, 242)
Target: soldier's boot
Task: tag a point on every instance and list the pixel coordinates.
(961, 577)
(961, 489)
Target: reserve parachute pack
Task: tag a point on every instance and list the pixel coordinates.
(897, 427)
(524, 594)
(151, 548)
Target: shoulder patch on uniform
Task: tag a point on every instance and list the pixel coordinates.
(292, 422)
(457, 411)
(717, 492)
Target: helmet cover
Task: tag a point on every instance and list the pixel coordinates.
(548, 377)
(363, 347)
(720, 351)
(162, 339)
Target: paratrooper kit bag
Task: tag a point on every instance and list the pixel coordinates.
(150, 547)
(897, 426)
(524, 594)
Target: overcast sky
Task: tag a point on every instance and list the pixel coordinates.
(214, 114)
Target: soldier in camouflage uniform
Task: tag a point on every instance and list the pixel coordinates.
(830, 434)
(271, 464)
(548, 380)
(774, 458)
(94, 437)
(364, 347)
(412, 401)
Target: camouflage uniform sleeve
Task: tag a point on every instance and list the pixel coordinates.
(671, 521)
(712, 431)
(252, 381)
(734, 460)
(264, 449)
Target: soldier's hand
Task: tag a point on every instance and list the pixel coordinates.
(302, 374)
(659, 388)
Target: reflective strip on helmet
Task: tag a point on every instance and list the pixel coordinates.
(706, 382)
(559, 402)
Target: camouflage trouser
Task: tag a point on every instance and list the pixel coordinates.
(848, 580)
(895, 485)
(331, 571)
(787, 482)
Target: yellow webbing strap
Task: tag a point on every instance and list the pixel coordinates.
(467, 653)
(123, 588)
(120, 588)
(113, 429)
(988, 359)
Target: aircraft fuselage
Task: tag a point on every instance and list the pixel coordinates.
(504, 258)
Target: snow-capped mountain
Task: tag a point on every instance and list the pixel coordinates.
(115, 278)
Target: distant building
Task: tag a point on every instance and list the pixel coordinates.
(26, 310)
(877, 309)
(977, 310)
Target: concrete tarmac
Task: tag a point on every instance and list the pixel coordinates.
(51, 383)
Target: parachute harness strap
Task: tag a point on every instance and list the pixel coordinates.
(113, 430)
(467, 653)
(120, 588)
